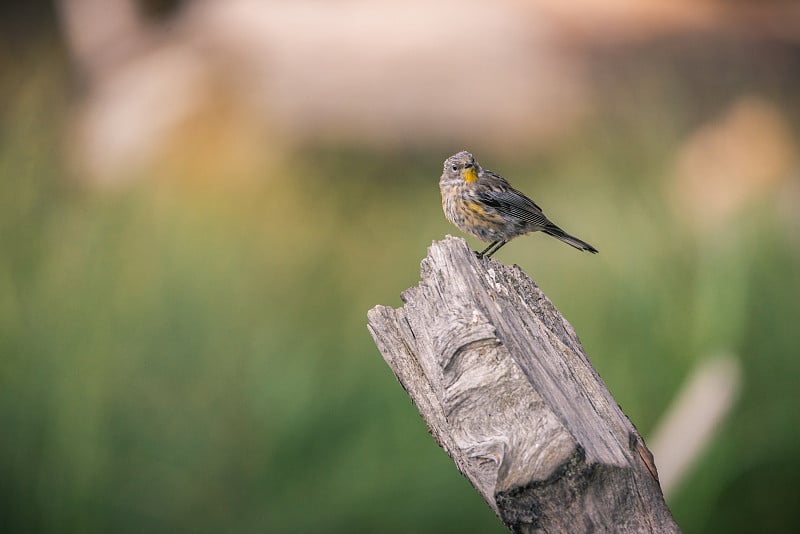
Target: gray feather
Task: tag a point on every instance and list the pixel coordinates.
(513, 203)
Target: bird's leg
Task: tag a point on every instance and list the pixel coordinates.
(499, 244)
(482, 252)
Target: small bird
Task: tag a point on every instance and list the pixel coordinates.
(483, 203)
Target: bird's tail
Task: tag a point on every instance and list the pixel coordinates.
(558, 233)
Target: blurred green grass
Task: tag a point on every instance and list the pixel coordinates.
(183, 357)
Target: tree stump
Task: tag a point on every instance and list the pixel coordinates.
(506, 389)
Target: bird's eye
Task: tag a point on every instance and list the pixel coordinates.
(454, 167)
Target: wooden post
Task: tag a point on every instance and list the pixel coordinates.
(506, 389)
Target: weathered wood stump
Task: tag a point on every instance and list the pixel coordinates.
(506, 389)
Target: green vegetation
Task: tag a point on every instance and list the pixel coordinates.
(194, 357)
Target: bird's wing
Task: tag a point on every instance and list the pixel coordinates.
(513, 203)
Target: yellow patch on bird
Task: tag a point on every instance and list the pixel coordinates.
(470, 175)
(476, 208)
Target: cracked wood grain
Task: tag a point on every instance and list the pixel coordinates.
(503, 383)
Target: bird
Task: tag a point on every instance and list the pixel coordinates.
(482, 203)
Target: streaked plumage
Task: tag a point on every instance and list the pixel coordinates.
(483, 203)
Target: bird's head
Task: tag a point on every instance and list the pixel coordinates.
(461, 166)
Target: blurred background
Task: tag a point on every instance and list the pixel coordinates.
(201, 200)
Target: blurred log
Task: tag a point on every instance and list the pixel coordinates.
(506, 389)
